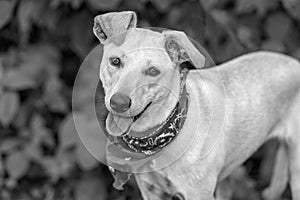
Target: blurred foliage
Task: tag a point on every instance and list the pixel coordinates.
(42, 44)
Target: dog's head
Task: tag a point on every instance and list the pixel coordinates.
(140, 71)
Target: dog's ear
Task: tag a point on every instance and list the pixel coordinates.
(113, 23)
(181, 49)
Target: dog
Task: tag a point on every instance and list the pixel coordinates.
(252, 98)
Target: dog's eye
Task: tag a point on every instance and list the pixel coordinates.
(152, 71)
(115, 61)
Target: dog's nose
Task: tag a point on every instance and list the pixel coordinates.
(120, 102)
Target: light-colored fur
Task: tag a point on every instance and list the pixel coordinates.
(262, 101)
(260, 93)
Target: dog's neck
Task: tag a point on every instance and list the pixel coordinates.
(196, 130)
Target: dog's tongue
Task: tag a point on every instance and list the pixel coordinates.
(118, 125)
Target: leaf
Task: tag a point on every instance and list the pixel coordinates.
(104, 4)
(74, 3)
(40, 133)
(79, 28)
(136, 5)
(90, 188)
(57, 103)
(93, 141)
(273, 45)
(28, 12)
(33, 150)
(271, 26)
(1, 90)
(162, 6)
(37, 122)
(209, 4)
(39, 63)
(68, 133)
(246, 36)
(6, 10)
(1, 69)
(8, 145)
(9, 105)
(87, 80)
(189, 17)
(261, 6)
(17, 164)
(293, 7)
(60, 165)
(18, 80)
(92, 147)
(53, 95)
(48, 18)
(222, 17)
(296, 54)
(85, 160)
(1, 78)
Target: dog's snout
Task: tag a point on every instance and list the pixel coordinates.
(120, 102)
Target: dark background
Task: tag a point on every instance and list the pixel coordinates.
(42, 44)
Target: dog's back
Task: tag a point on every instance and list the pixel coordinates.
(262, 101)
(260, 89)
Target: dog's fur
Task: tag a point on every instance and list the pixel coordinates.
(262, 101)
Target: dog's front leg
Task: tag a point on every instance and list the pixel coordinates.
(223, 191)
(156, 186)
(293, 141)
(294, 158)
(153, 187)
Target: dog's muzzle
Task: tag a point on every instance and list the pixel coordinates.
(120, 102)
(164, 133)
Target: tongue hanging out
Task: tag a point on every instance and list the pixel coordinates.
(117, 125)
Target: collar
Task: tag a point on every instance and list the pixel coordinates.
(165, 133)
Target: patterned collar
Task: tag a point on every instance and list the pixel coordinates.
(165, 133)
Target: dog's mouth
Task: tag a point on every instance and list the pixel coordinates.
(118, 125)
(140, 114)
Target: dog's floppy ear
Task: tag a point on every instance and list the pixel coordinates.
(113, 23)
(181, 49)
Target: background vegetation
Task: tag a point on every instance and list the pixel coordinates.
(42, 44)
